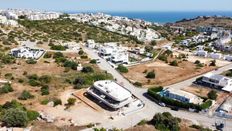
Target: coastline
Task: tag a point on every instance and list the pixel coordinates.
(161, 17)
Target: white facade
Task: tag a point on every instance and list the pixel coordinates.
(228, 57)
(182, 96)
(202, 53)
(111, 94)
(116, 54)
(26, 52)
(215, 55)
(218, 81)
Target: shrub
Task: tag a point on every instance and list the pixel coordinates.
(71, 101)
(20, 80)
(163, 58)
(6, 88)
(15, 118)
(7, 59)
(58, 55)
(32, 115)
(33, 76)
(212, 63)
(84, 57)
(138, 84)
(57, 101)
(48, 55)
(156, 89)
(206, 104)
(174, 63)
(13, 104)
(166, 122)
(44, 102)
(93, 61)
(150, 75)
(73, 65)
(122, 69)
(45, 90)
(142, 122)
(45, 79)
(197, 62)
(33, 82)
(212, 95)
(58, 47)
(25, 95)
(87, 69)
(81, 52)
(31, 61)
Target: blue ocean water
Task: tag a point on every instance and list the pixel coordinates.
(165, 17)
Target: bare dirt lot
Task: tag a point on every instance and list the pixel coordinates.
(165, 74)
(203, 91)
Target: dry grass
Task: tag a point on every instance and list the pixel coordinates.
(165, 74)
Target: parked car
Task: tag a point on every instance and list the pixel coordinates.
(175, 108)
(162, 104)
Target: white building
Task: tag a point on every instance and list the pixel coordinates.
(228, 57)
(182, 96)
(111, 93)
(226, 106)
(114, 53)
(218, 81)
(202, 53)
(27, 52)
(215, 55)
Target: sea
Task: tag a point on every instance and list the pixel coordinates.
(164, 17)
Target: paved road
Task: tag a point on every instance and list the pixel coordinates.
(152, 108)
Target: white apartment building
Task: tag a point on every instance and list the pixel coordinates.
(114, 53)
(111, 93)
(218, 81)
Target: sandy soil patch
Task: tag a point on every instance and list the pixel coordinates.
(165, 74)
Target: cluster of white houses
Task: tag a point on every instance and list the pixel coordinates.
(8, 22)
(122, 25)
(112, 51)
(113, 95)
(213, 55)
(29, 14)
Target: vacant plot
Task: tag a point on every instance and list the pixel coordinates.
(164, 73)
(203, 91)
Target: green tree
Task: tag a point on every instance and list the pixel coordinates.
(6, 88)
(71, 101)
(121, 68)
(212, 63)
(26, 95)
(151, 75)
(174, 63)
(212, 95)
(87, 69)
(44, 90)
(15, 118)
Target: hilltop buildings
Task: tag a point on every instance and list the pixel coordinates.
(122, 25)
(29, 14)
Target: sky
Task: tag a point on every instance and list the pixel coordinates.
(119, 5)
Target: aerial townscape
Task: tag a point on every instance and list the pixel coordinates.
(93, 71)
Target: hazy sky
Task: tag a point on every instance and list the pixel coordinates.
(120, 5)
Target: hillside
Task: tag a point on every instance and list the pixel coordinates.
(224, 22)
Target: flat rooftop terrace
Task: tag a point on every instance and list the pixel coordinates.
(113, 90)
